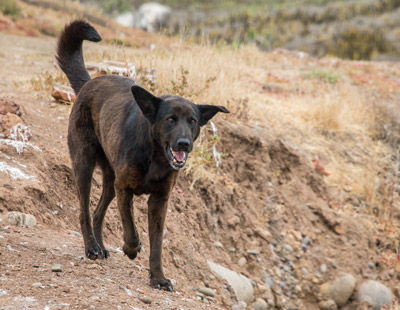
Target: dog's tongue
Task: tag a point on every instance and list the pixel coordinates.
(179, 156)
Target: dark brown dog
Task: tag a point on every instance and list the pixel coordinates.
(139, 141)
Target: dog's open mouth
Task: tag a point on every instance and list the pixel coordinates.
(177, 159)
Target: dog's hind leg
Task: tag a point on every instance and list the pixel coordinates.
(107, 196)
(132, 245)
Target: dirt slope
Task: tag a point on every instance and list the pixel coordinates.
(266, 199)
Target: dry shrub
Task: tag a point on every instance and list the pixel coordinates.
(334, 123)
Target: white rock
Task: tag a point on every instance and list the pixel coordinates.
(375, 293)
(241, 285)
(21, 219)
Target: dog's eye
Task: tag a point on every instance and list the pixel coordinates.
(170, 120)
(192, 122)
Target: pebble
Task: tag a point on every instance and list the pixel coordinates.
(304, 247)
(56, 268)
(259, 304)
(328, 305)
(252, 252)
(207, 291)
(207, 283)
(304, 271)
(340, 289)
(242, 261)
(371, 265)
(287, 249)
(38, 284)
(212, 277)
(306, 240)
(374, 293)
(21, 219)
(270, 282)
(146, 300)
(323, 268)
(232, 250)
(298, 289)
(282, 284)
(218, 244)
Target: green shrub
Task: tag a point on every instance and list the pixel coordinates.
(10, 7)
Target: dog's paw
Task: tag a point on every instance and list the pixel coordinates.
(132, 252)
(162, 284)
(95, 252)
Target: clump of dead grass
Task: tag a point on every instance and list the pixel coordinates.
(329, 118)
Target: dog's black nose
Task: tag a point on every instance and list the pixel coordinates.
(183, 143)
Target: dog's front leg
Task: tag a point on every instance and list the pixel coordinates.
(157, 210)
(132, 245)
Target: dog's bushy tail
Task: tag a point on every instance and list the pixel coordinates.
(69, 52)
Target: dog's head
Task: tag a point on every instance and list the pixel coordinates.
(175, 122)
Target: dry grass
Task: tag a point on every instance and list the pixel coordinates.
(333, 122)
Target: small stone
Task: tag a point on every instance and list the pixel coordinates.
(304, 271)
(374, 293)
(270, 282)
(200, 294)
(38, 284)
(298, 289)
(236, 307)
(315, 280)
(306, 240)
(304, 248)
(274, 243)
(21, 219)
(207, 291)
(323, 268)
(259, 304)
(146, 300)
(232, 250)
(328, 305)
(286, 249)
(207, 283)
(252, 252)
(199, 298)
(56, 268)
(371, 265)
(242, 261)
(212, 277)
(34, 265)
(340, 289)
(282, 284)
(218, 244)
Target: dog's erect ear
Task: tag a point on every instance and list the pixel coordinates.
(147, 102)
(208, 111)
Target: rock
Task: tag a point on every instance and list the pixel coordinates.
(63, 93)
(153, 16)
(206, 291)
(259, 304)
(56, 268)
(374, 293)
(340, 289)
(268, 296)
(323, 268)
(8, 121)
(286, 249)
(146, 300)
(218, 244)
(297, 289)
(8, 106)
(252, 252)
(240, 284)
(21, 219)
(327, 305)
(242, 261)
(304, 271)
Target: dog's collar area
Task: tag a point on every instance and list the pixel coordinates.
(176, 159)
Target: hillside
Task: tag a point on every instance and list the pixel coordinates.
(307, 187)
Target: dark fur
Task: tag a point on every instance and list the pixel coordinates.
(133, 137)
